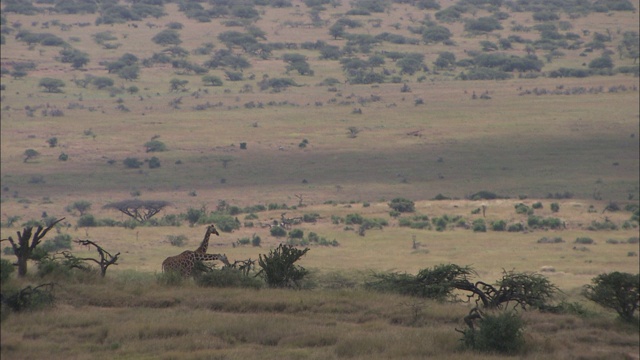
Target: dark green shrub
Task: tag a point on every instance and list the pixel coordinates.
(501, 333)
(483, 195)
(479, 225)
(523, 209)
(224, 223)
(353, 219)
(227, 277)
(132, 163)
(60, 242)
(537, 205)
(154, 163)
(499, 225)
(87, 220)
(555, 207)
(584, 240)
(517, 227)
(255, 240)
(6, 268)
(278, 231)
(402, 205)
(30, 298)
(155, 146)
(546, 240)
(279, 269)
(296, 234)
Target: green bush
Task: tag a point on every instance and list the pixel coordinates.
(6, 268)
(479, 225)
(279, 269)
(537, 205)
(177, 240)
(499, 225)
(501, 333)
(278, 231)
(584, 240)
(523, 209)
(517, 227)
(30, 298)
(227, 277)
(132, 163)
(87, 220)
(296, 234)
(353, 219)
(555, 207)
(60, 242)
(155, 146)
(402, 205)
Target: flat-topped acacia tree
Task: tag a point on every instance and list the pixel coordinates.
(140, 210)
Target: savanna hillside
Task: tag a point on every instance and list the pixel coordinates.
(510, 127)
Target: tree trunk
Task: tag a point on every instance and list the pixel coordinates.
(22, 265)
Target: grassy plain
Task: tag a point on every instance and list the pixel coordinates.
(513, 144)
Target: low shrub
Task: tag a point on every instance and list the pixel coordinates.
(501, 333)
(177, 240)
(546, 240)
(227, 277)
(584, 240)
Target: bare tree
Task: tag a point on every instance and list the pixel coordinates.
(106, 259)
(141, 210)
(23, 249)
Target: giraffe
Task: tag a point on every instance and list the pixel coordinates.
(211, 229)
(185, 262)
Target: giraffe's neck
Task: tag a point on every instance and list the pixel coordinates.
(205, 242)
(210, 257)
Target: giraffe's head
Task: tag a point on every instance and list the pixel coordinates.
(212, 229)
(223, 258)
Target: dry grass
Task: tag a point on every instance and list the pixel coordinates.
(191, 322)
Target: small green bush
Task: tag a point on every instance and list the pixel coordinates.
(227, 277)
(479, 225)
(278, 231)
(584, 240)
(353, 219)
(296, 234)
(60, 242)
(402, 205)
(546, 240)
(501, 333)
(517, 227)
(177, 240)
(6, 269)
(87, 220)
(537, 205)
(30, 298)
(523, 209)
(555, 207)
(499, 225)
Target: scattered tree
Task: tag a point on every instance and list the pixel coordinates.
(51, 85)
(140, 210)
(27, 242)
(617, 291)
(81, 207)
(30, 154)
